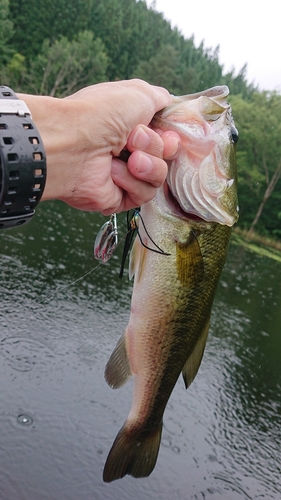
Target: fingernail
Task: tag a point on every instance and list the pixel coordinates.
(141, 139)
(144, 164)
(118, 168)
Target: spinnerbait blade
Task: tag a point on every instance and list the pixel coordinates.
(106, 240)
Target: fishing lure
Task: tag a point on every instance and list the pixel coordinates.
(133, 229)
(106, 240)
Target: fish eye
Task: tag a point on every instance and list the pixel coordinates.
(234, 134)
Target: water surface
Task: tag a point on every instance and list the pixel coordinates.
(58, 418)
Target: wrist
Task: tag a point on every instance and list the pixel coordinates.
(54, 119)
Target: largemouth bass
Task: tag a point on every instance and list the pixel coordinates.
(190, 218)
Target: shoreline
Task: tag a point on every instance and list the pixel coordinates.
(257, 243)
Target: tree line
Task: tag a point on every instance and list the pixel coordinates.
(56, 47)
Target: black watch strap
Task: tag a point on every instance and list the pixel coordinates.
(22, 161)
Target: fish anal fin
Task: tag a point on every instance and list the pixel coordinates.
(137, 258)
(190, 264)
(118, 369)
(191, 367)
(132, 453)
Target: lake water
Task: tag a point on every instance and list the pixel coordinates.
(58, 418)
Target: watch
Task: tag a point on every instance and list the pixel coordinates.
(23, 166)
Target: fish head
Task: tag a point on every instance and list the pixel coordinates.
(202, 179)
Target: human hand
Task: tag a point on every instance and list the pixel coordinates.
(84, 135)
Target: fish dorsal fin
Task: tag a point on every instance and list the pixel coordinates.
(118, 369)
(191, 367)
(211, 109)
(137, 257)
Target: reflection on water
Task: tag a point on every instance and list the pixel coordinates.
(58, 418)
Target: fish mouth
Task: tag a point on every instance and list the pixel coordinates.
(175, 208)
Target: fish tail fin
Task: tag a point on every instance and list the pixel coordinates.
(132, 453)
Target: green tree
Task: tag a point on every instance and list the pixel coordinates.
(15, 72)
(38, 20)
(135, 38)
(207, 67)
(238, 83)
(65, 66)
(131, 33)
(6, 32)
(181, 70)
(152, 70)
(259, 160)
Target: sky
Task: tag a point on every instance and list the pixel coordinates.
(247, 31)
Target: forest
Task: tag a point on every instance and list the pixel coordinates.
(57, 47)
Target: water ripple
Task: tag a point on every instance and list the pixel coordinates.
(24, 355)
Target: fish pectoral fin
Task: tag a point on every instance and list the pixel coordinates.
(190, 263)
(132, 453)
(191, 367)
(137, 257)
(118, 369)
